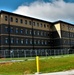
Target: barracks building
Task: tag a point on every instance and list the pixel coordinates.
(19, 32)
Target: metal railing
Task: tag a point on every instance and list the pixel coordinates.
(32, 53)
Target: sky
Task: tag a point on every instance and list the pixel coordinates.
(49, 10)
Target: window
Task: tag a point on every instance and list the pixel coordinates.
(42, 42)
(30, 41)
(21, 31)
(47, 25)
(11, 29)
(44, 33)
(12, 40)
(22, 41)
(30, 31)
(16, 20)
(44, 26)
(11, 19)
(45, 42)
(38, 33)
(71, 35)
(48, 33)
(34, 23)
(41, 25)
(16, 30)
(38, 41)
(6, 29)
(26, 41)
(17, 40)
(34, 32)
(6, 18)
(25, 21)
(21, 21)
(38, 24)
(34, 41)
(41, 33)
(64, 41)
(29, 22)
(6, 40)
(26, 31)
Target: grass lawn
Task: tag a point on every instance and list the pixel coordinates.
(47, 64)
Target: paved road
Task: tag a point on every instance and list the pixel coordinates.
(70, 72)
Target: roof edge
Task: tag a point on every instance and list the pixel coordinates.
(60, 21)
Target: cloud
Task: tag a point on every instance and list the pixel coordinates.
(50, 11)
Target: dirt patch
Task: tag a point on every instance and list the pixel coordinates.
(6, 63)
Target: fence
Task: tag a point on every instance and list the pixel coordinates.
(32, 53)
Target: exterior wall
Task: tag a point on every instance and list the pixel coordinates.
(3, 19)
(67, 35)
(23, 23)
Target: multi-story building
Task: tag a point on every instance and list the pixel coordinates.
(21, 33)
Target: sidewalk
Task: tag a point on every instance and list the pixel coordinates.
(70, 72)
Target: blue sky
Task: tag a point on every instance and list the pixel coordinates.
(50, 10)
(11, 5)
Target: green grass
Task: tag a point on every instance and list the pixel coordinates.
(48, 64)
(9, 59)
